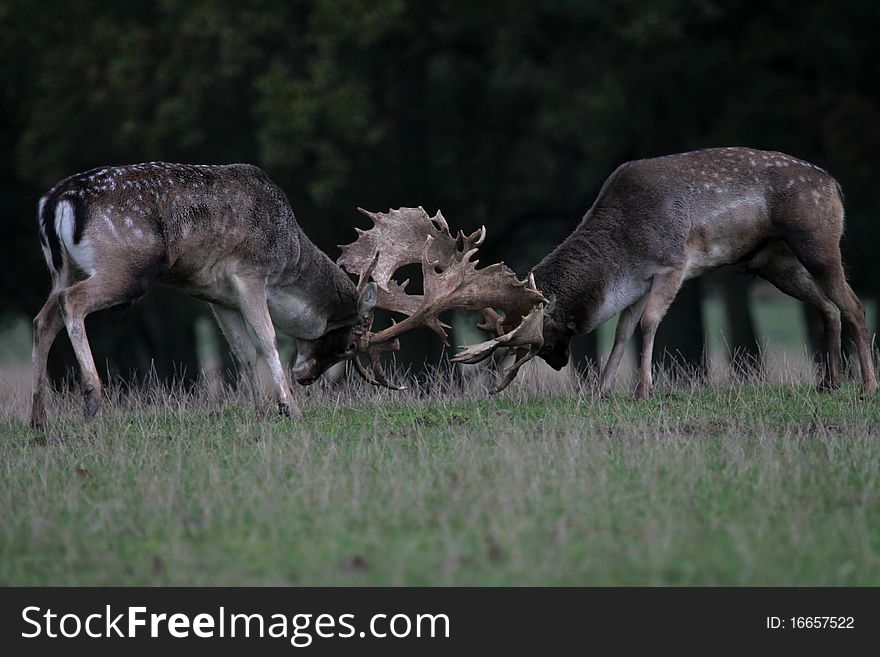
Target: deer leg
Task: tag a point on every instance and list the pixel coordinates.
(838, 290)
(235, 331)
(664, 287)
(826, 268)
(104, 289)
(76, 302)
(626, 325)
(786, 272)
(252, 301)
(47, 325)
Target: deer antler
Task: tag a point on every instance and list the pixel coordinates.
(526, 340)
(451, 281)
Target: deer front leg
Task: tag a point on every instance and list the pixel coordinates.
(235, 331)
(254, 309)
(663, 290)
(626, 325)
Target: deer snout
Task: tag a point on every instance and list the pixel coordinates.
(306, 371)
(555, 356)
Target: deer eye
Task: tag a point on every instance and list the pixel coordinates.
(350, 349)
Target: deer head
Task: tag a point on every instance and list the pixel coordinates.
(511, 309)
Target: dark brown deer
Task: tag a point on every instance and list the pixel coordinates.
(659, 222)
(223, 234)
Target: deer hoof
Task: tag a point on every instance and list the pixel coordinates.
(642, 393)
(90, 407)
(290, 410)
(38, 422)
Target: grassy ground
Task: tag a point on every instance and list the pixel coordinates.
(730, 483)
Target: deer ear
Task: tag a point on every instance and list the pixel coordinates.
(551, 305)
(368, 299)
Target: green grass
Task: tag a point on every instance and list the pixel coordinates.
(735, 484)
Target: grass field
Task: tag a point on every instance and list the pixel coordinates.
(732, 483)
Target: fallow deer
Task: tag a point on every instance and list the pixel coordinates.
(659, 222)
(224, 234)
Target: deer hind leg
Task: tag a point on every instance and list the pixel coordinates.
(252, 301)
(626, 325)
(105, 289)
(779, 266)
(664, 287)
(47, 325)
(822, 259)
(234, 330)
(76, 302)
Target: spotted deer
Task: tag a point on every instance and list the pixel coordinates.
(223, 234)
(659, 222)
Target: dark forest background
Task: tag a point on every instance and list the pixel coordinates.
(504, 113)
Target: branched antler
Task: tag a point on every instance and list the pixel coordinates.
(525, 340)
(511, 308)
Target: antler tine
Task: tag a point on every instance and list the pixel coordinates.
(492, 322)
(379, 379)
(376, 366)
(522, 357)
(364, 276)
(366, 213)
(439, 219)
(360, 369)
(475, 239)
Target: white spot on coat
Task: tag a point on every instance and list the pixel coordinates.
(110, 226)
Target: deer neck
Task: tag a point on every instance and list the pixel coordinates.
(591, 278)
(313, 296)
